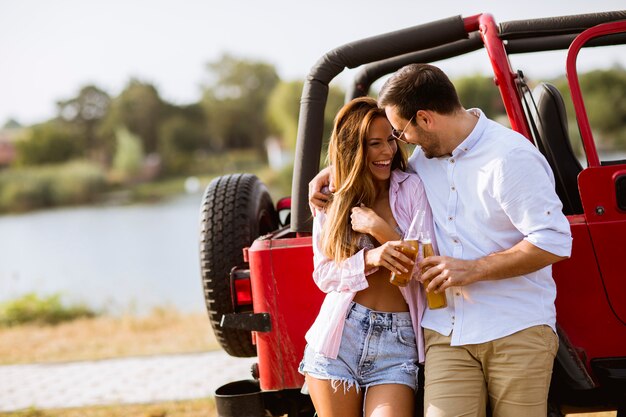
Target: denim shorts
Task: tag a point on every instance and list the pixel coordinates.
(376, 348)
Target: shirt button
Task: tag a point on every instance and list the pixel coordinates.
(455, 241)
(458, 294)
(451, 160)
(450, 218)
(453, 188)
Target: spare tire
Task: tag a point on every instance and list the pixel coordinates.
(236, 209)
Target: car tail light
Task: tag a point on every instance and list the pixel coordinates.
(241, 290)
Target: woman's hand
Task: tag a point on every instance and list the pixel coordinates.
(388, 256)
(365, 220)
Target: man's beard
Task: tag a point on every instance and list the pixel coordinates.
(433, 144)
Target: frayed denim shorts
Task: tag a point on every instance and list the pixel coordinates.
(376, 348)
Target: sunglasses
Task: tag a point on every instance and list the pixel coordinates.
(400, 135)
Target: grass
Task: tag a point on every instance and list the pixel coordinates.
(163, 331)
(71, 183)
(32, 308)
(192, 408)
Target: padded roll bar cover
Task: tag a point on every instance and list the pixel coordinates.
(372, 72)
(557, 25)
(556, 42)
(315, 94)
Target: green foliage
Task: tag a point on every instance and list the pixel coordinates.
(49, 143)
(76, 182)
(140, 109)
(182, 140)
(32, 308)
(219, 163)
(284, 108)
(12, 124)
(128, 154)
(604, 94)
(85, 112)
(235, 100)
(336, 100)
(480, 91)
(278, 182)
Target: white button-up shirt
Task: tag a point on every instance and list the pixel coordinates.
(493, 191)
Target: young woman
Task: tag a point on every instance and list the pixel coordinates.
(366, 342)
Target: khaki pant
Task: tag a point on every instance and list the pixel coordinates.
(514, 371)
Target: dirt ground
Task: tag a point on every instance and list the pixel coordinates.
(163, 331)
(194, 408)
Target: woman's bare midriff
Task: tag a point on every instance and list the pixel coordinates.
(381, 295)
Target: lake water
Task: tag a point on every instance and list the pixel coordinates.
(125, 258)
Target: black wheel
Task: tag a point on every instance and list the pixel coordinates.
(236, 209)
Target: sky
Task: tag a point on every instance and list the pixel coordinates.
(50, 49)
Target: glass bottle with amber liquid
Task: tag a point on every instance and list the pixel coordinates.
(434, 300)
(410, 249)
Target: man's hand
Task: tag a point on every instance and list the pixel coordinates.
(318, 199)
(521, 259)
(388, 256)
(445, 272)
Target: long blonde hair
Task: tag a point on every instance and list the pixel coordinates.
(354, 185)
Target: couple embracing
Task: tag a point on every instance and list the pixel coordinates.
(485, 196)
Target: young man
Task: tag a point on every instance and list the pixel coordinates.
(499, 227)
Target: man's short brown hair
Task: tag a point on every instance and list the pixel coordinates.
(419, 87)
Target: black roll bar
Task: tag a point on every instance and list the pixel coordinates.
(372, 72)
(558, 25)
(386, 53)
(315, 94)
(557, 42)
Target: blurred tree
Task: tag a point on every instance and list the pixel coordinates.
(604, 94)
(284, 107)
(235, 98)
(336, 100)
(140, 109)
(85, 112)
(480, 91)
(128, 154)
(12, 124)
(182, 137)
(48, 143)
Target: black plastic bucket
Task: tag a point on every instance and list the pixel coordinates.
(240, 399)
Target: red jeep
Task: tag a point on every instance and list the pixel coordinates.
(256, 270)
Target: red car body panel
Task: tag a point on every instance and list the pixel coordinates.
(282, 285)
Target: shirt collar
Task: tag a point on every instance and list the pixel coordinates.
(397, 176)
(471, 140)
